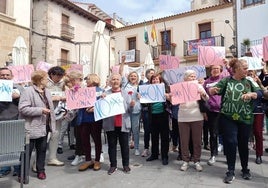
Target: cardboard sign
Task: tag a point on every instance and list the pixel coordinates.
(184, 92)
(43, 66)
(173, 76)
(111, 105)
(22, 73)
(6, 89)
(168, 62)
(152, 93)
(82, 98)
(211, 55)
(265, 48)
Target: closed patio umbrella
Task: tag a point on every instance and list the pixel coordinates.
(19, 52)
(100, 52)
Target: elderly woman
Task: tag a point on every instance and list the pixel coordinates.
(36, 107)
(117, 127)
(158, 117)
(190, 126)
(236, 115)
(91, 127)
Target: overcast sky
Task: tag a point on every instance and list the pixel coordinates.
(135, 11)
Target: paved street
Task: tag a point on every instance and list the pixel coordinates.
(146, 174)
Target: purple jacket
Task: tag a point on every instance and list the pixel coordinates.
(214, 101)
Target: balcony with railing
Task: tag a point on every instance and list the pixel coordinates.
(245, 50)
(132, 57)
(61, 62)
(67, 31)
(163, 50)
(190, 47)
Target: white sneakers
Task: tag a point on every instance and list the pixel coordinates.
(77, 160)
(198, 167)
(145, 153)
(55, 162)
(185, 166)
(220, 147)
(212, 160)
(137, 152)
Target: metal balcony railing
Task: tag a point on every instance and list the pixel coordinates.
(61, 62)
(190, 47)
(163, 50)
(245, 49)
(67, 31)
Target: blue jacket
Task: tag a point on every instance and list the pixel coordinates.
(83, 116)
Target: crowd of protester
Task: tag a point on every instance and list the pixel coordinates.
(231, 107)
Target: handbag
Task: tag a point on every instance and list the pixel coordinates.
(203, 105)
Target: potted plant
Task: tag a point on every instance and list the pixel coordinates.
(246, 43)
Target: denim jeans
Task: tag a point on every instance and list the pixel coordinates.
(235, 134)
(135, 128)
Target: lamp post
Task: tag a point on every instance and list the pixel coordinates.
(233, 47)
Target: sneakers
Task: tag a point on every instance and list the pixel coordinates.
(184, 166)
(246, 175)
(41, 175)
(220, 148)
(86, 165)
(101, 158)
(55, 162)
(145, 153)
(111, 170)
(230, 176)
(137, 152)
(258, 160)
(198, 166)
(126, 169)
(212, 160)
(34, 167)
(77, 160)
(59, 151)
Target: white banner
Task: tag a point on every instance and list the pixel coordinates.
(108, 106)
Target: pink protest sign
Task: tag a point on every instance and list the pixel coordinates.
(257, 51)
(168, 62)
(75, 67)
(115, 69)
(210, 55)
(43, 66)
(183, 92)
(22, 73)
(265, 48)
(82, 98)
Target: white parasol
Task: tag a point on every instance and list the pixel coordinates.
(19, 52)
(100, 52)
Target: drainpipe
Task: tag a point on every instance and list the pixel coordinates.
(30, 33)
(235, 26)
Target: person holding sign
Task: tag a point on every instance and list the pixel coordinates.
(9, 110)
(190, 125)
(213, 112)
(117, 127)
(236, 115)
(89, 126)
(55, 86)
(158, 116)
(76, 80)
(130, 85)
(145, 117)
(36, 107)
